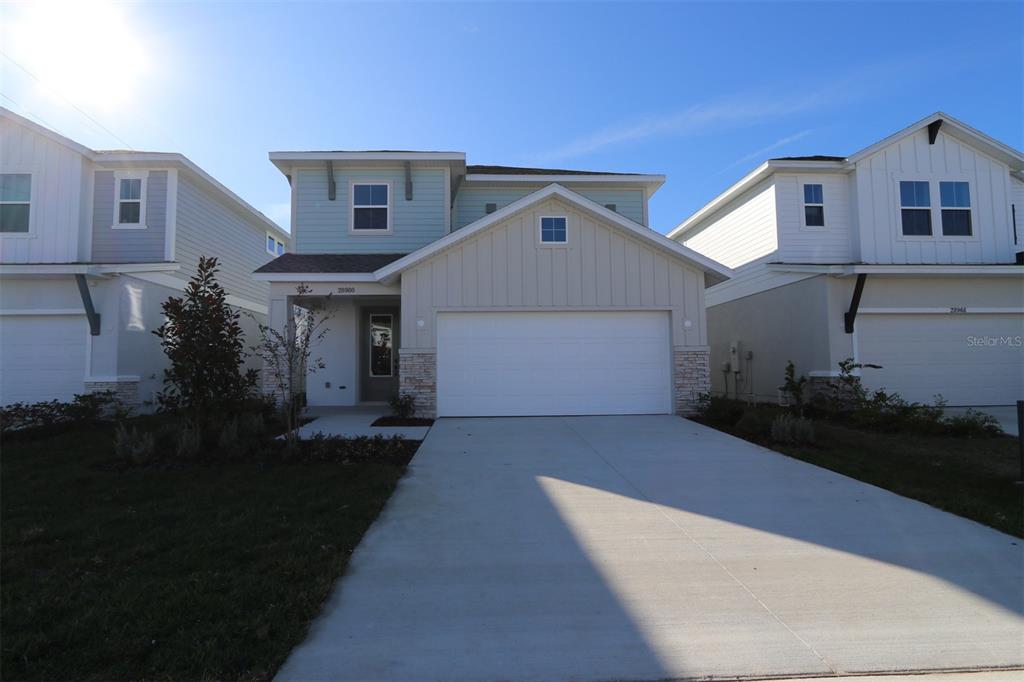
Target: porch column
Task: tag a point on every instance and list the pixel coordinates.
(280, 316)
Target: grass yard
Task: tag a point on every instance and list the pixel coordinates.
(200, 572)
(973, 478)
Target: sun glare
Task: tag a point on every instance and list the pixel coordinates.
(85, 51)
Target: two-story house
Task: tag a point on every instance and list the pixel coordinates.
(92, 243)
(491, 290)
(906, 255)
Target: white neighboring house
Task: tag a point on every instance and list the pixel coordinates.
(91, 244)
(906, 255)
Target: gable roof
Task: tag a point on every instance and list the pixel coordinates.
(714, 271)
(844, 164)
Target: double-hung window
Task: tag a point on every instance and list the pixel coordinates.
(814, 206)
(955, 200)
(129, 209)
(915, 208)
(15, 202)
(371, 209)
(275, 247)
(553, 230)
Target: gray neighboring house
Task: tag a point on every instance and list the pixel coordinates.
(906, 254)
(491, 290)
(91, 243)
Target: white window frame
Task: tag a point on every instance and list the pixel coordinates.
(118, 177)
(969, 209)
(31, 200)
(540, 231)
(277, 243)
(804, 205)
(369, 354)
(352, 206)
(935, 208)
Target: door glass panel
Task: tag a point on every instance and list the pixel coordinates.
(380, 345)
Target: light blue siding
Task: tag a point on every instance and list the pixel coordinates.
(471, 202)
(321, 225)
(129, 246)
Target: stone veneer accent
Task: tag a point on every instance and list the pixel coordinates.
(417, 376)
(126, 390)
(691, 378)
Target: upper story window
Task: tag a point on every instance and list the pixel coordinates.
(15, 202)
(814, 206)
(915, 208)
(553, 230)
(371, 208)
(130, 204)
(275, 247)
(955, 200)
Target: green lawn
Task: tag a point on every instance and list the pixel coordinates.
(974, 478)
(200, 572)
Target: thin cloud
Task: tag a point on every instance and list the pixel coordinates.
(760, 153)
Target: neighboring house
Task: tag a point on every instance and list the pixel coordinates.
(91, 244)
(490, 290)
(902, 255)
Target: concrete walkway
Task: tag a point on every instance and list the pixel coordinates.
(646, 548)
(352, 422)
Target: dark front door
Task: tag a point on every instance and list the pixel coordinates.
(379, 354)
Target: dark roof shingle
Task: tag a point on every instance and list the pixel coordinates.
(329, 262)
(814, 157)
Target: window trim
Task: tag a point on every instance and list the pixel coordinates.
(369, 354)
(31, 200)
(969, 209)
(804, 205)
(352, 206)
(540, 232)
(935, 209)
(143, 186)
(277, 242)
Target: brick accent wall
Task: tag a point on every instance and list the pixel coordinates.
(127, 391)
(691, 377)
(417, 376)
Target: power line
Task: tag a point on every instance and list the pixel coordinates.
(63, 97)
(26, 110)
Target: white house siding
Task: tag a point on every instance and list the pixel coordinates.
(912, 158)
(207, 226)
(504, 269)
(57, 181)
(750, 279)
(742, 231)
(322, 224)
(785, 323)
(129, 245)
(801, 244)
(471, 202)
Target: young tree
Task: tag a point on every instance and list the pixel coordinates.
(204, 343)
(286, 353)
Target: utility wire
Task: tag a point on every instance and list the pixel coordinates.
(72, 104)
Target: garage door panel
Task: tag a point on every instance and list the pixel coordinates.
(42, 357)
(924, 355)
(553, 363)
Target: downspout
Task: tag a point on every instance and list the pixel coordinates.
(90, 310)
(851, 315)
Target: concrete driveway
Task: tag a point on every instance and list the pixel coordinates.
(645, 548)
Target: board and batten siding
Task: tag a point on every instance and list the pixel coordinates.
(471, 202)
(144, 245)
(505, 268)
(912, 158)
(206, 226)
(321, 225)
(58, 180)
(800, 244)
(742, 231)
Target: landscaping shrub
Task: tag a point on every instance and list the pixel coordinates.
(720, 411)
(973, 424)
(403, 405)
(189, 441)
(134, 446)
(794, 387)
(82, 409)
(786, 428)
(755, 424)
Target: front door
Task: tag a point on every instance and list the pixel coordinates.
(379, 354)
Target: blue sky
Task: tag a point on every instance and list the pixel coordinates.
(701, 92)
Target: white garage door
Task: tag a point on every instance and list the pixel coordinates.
(554, 363)
(972, 359)
(42, 357)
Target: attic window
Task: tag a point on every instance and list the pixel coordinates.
(814, 206)
(553, 230)
(371, 207)
(490, 208)
(275, 247)
(129, 201)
